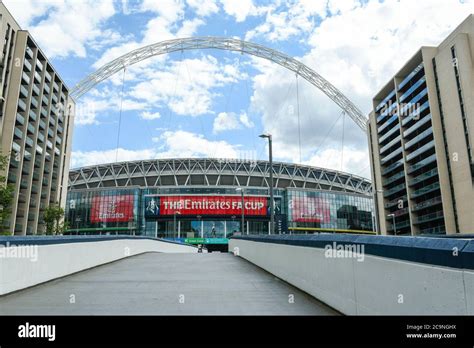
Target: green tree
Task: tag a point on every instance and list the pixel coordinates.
(53, 216)
(6, 197)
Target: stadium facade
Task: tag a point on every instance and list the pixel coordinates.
(197, 201)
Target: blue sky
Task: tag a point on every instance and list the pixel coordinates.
(208, 103)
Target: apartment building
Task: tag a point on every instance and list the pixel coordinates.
(36, 126)
(421, 138)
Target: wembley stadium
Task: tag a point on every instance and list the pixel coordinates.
(199, 201)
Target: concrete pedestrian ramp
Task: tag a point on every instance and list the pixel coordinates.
(166, 284)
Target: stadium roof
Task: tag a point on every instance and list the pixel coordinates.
(214, 172)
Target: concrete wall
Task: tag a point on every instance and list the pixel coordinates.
(44, 262)
(374, 286)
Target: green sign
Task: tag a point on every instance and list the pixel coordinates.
(206, 240)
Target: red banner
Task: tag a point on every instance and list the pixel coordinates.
(311, 209)
(117, 208)
(212, 205)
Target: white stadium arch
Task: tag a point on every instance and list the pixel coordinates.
(228, 44)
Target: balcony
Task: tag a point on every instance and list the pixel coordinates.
(21, 105)
(416, 113)
(392, 167)
(391, 143)
(391, 156)
(24, 91)
(27, 65)
(434, 230)
(421, 150)
(425, 176)
(18, 133)
(20, 119)
(386, 99)
(38, 77)
(16, 148)
(32, 115)
(421, 164)
(39, 66)
(39, 150)
(424, 190)
(393, 190)
(46, 89)
(40, 138)
(25, 78)
(29, 142)
(411, 107)
(44, 113)
(31, 129)
(42, 125)
(34, 102)
(398, 213)
(393, 178)
(426, 119)
(412, 89)
(417, 139)
(47, 76)
(36, 90)
(389, 133)
(12, 178)
(29, 53)
(410, 76)
(388, 112)
(388, 123)
(429, 217)
(45, 100)
(429, 203)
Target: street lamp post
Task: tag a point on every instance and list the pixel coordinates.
(242, 228)
(394, 225)
(174, 221)
(270, 155)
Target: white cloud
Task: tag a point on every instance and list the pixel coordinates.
(185, 94)
(245, 120)
(24, 18)
(88, 158)
(171, 144)
(231, 121)
(353, 161)
(203, 7)
(387, 35)
(281, 25)
(241, 9)
(226, 121)
(181, 144)
(150, 115)
(67, 27)
(168, 23)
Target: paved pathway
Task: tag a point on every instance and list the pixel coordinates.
(166, 284)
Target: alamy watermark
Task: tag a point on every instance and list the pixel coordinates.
(345, 251)
(13, 251)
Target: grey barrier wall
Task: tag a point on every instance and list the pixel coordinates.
(371, 275)
(28, 261)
